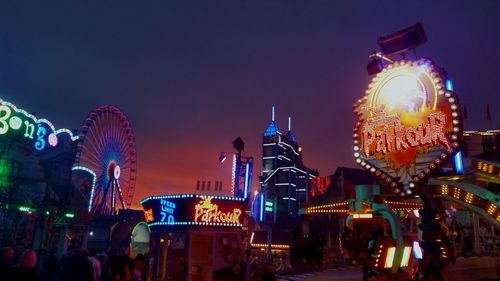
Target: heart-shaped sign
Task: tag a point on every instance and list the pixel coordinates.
(409, 124)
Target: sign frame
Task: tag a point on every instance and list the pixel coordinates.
(378, 155)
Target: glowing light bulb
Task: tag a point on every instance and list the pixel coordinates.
(403, 92)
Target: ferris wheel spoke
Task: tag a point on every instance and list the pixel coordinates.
(97, 200)
(87, 144)
(128, 157)
(104, 125)
(116, 128)
(96, 142)
(93, 165)
(125, 182)
(109, 124)
(91, 157)
(99, 130)
(124, 138)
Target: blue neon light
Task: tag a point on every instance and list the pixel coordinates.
(272, 129)
(261, 215)
(449, 85)
(247, 176)
(417, 251)
(230, 198)
(167, 211)
(459, 162)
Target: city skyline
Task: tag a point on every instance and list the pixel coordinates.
(190, 83)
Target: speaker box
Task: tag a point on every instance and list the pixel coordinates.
(403, 40)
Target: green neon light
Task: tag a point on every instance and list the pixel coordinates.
(269, 209)
(25, 209)
(5, 171)
(69, 215)
(269, 203)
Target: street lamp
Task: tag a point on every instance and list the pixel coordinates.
(242, 170)
(222, 157)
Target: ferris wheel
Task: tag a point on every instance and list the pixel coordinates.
(106, 150)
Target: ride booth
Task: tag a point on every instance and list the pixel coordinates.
(195, 237)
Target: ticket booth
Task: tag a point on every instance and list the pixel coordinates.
(195, 237)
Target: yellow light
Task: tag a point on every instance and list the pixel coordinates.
(390, 257)
(403, 92)
(406, 256)
(492, 209)
(404, 87)
(275, 246)
(444, 189)
(362, 216)
(469, 197)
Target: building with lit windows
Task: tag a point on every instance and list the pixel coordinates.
(484, 144)
(284, 175)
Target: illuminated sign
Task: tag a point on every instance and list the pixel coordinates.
(192, 209)
(38, 131)
(408, 124)
(148, 214)
(269, 206)
(265, 207)
(167, 210)
(206, 211)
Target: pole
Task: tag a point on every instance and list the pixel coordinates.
(269, 243)
(112, 198)
(476, 229)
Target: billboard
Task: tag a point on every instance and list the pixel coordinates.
(409, 124)
(192, 209)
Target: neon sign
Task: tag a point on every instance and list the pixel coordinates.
(392, 135)
(39, 131)
(148, 214)
(167, 211)
(194, 210)
(206, 211)
(409, 123)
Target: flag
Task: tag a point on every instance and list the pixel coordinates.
(466, 115)
(488, 113)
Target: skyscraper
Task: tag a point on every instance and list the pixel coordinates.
(284, 174)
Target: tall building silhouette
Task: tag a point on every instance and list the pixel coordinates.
(284, 174)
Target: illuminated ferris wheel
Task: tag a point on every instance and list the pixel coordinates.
(106, 150)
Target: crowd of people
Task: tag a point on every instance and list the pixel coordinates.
(74, 265)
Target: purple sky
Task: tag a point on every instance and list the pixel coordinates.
(193, 76)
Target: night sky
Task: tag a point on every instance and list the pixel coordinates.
(194, 75)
